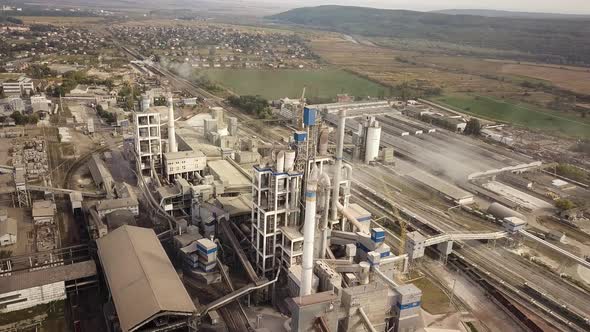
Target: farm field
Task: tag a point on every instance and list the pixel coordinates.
(519, 114)
(393, 67)
(570, 79)
(61, 20)
(275, 84)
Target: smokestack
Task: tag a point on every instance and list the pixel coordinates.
(338, 165)
(171, 132)
(309, 232)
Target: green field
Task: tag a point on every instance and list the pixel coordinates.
(519, 114)
(275, 84)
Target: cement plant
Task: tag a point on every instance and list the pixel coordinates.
(136, 197)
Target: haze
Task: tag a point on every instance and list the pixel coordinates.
(550, 6)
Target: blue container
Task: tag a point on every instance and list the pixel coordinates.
(377, 234)
(300, 136)
(309, 116)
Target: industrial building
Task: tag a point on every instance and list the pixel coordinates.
(8, 229)
(21, 86)
(148, 141)
(135, 263)
(186, 164)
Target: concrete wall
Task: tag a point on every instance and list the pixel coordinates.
(31, 297)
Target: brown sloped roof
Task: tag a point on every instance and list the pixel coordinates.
(142, 280)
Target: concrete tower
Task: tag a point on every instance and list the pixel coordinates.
(171, 132)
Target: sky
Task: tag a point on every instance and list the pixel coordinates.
(548, 6)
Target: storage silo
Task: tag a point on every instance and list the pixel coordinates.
(372, 142)
(500, 211)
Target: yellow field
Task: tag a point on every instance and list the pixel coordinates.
(61, 20)
(577, 80)
(381, 64)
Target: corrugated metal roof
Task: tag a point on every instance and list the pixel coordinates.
(140, 276)
(19, 281)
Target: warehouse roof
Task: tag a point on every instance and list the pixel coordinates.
(25, 280)
(135, 264)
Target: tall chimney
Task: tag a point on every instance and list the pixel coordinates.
(171, 132)
(309, 232)
(338, 165)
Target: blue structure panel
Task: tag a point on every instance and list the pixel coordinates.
(300, 136)
(309, 116)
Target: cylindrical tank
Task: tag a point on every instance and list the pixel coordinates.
(233, 126)
(500, 211)
(145, 103)
(281, 162)
(365, 268)
(323, 142)
(372, 142)
(289, 160)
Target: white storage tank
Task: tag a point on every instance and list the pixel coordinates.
(289, 160)
(281, 162)
(372, 142)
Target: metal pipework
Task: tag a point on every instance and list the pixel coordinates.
(171, 132)
(350, 217)
(368, 323)
(309, 232)
(338, 165)
(325, 184)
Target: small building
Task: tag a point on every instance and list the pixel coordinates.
(184, 163)
(514, 224)
(40, 104)
(8, 229)
(107, 206)
(43, 212)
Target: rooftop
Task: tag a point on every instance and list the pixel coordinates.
(135, 263)
(118, 203)
(227, 173)
(8, 226)
(183, 154)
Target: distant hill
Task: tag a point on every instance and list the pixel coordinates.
(553, 40)
(509, 14)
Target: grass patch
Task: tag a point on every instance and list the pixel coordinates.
(434, 300)
(518, 114)
(275, 84)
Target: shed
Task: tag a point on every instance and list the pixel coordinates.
(144, 286)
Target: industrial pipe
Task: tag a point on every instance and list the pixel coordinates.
(325, 183)
(366, 319)
(350, 217)
(309, 232)
(393, 259)
(387, 280)
(338, 165)
(171, 132)
(348, 171)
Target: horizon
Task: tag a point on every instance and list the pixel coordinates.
(572, 7)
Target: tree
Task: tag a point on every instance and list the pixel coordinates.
(473, 127)
(564, 204)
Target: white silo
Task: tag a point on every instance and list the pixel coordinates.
(145, 102)
(372, 142)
